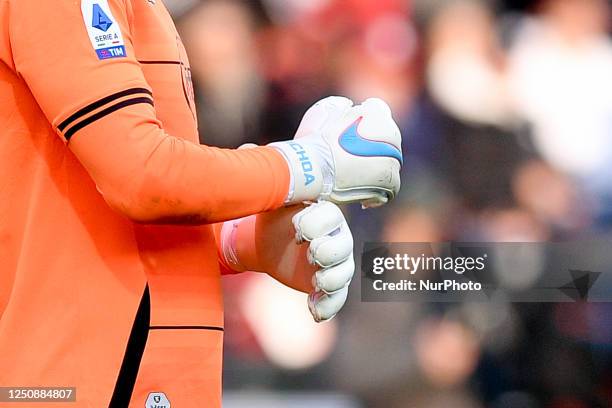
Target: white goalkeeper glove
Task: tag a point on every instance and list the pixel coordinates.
(345, 153)
(273, 243)
(330, 248)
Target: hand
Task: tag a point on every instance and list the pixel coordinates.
(275, 243)
(330, 248)
(345, 153)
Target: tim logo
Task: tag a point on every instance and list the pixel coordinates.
(157, 400)
(111, 52)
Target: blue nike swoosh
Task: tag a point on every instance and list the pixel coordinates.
(352, 142)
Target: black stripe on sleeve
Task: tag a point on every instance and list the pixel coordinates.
(159, 62)
(99, 103)
(213, 328)
(103, 113)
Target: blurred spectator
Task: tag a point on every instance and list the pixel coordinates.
(465, 63)
(220, 40)
(560, 78)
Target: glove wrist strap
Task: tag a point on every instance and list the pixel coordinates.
(305, 169)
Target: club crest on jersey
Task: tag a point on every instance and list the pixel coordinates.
(103, 30)
(157, 400)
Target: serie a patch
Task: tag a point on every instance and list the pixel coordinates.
(103, 30)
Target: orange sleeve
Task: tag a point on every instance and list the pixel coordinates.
(99, 102)
(5, 45)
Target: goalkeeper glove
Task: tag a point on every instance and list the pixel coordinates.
(274, 243)
(330, 248)
(345, 153)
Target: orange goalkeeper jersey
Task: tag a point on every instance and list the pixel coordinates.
(109, 271)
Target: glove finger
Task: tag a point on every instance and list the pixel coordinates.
(320, 112)
(317, 220)
(323, 306)
(377, 121)
(332, 249)
(376, 104)
(332, 279)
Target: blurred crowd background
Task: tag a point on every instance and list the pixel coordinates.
(506, 112)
